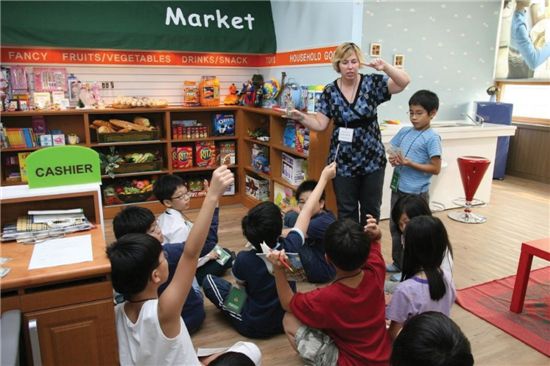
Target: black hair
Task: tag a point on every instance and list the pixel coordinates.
(431, 339)
(263, 223)
(133, 258)
(426, 99)
(232, 359)
(346, 244)
(165, 187)
(412, 206)
(307, 186)
(133, 219)
(426, 241)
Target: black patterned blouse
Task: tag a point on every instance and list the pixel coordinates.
(365, 154)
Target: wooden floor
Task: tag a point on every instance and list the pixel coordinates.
(519, 211)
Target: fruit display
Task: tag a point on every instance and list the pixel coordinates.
(129, 191)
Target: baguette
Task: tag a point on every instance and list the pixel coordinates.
(129, 125)
(142, 121)
(100, 122)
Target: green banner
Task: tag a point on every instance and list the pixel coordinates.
(63, 165)
(202, 26)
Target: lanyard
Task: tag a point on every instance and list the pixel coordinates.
(412, 143)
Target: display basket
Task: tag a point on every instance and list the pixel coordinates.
(128, 136)
(138, 167)
(136, 197)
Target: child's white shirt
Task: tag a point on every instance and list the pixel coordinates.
(144, 343)
(175, 228)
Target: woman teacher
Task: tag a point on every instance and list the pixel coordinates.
(356, 144)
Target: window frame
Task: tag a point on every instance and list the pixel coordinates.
(501, 86)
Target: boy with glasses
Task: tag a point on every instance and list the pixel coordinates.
(415, 154)
(172, 192)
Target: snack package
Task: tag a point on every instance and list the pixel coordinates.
(223, 124)
(205, 153)
(190, 93)
(302, 138)
(289, 135)
(184, 157)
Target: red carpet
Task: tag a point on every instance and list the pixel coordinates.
(491, 302)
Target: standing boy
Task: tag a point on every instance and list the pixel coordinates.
(150, 330)
(343, 323)
(415, 154)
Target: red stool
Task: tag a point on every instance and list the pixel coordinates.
(538, 248)
(472, 169)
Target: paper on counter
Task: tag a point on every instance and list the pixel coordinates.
(57, 252)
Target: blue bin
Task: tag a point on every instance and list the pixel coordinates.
(498, 113)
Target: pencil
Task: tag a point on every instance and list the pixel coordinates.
(285, 263)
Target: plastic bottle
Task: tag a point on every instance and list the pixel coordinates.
(209, 91)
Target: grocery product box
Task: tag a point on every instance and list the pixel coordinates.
(283, 197)
(257, 188)
(294, 170)
(205, 153)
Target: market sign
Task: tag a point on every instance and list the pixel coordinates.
(201, 26)
(63, 165)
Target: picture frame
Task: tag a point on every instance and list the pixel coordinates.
(58, 140)
(375, 49)
(46, 140)
(399, 61)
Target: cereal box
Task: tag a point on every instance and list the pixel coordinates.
(257, 188)
(294, 170)
(205, 153)
(226, 153)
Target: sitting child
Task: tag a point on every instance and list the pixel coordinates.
(171, 191)
(140, 220)
(150, 330)
(312, 254)
(425, 285)
(431, 339)
(261, 315)
(342, 323)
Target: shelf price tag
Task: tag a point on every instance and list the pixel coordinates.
(62, 165)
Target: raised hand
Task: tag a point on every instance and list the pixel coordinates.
(329, 172)
(222, 178)
(377, 63)
(372, 229)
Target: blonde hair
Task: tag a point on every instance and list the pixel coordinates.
(344, 51)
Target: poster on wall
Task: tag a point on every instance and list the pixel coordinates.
(524, 40)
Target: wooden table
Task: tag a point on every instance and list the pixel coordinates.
(538, 248)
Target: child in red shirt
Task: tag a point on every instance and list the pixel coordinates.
(343, 323)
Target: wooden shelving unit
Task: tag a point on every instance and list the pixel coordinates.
(246, 118)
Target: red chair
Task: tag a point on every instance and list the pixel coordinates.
(472, 169)
(536, 248)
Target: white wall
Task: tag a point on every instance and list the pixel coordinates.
(314, 24)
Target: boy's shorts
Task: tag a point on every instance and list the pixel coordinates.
(315, 347)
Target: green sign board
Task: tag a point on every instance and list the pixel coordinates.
(201, 26)
(63, 165)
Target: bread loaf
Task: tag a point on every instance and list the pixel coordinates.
(129, 125)
(142, 121)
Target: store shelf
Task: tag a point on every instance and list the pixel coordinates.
(250, 169)
(283, 182)
(127, 143)
(211, 138)
(255, 141)
(246, 118)
(290, 151)
(134, 174)
(201, 169)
